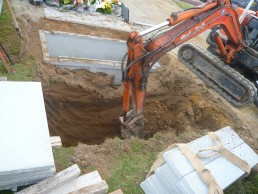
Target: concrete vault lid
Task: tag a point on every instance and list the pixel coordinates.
(24, 135)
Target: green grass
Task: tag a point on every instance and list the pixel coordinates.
(8, 34)
(183, 5)
(129, 162)
(63, 157)
(24, 69)
(246, 186)
(130, 169)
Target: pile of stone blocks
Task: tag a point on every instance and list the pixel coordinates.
(69, 181)
(177, 174)
(25, 151)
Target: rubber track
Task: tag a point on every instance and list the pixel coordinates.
(252, 90)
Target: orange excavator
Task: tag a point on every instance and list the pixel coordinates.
(229, 65)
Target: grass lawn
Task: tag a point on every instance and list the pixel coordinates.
(25, 68)
(127, 169)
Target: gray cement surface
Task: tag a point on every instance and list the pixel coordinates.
(1, 4)
(28, 156)
(72, 45)
(78, 183)
(150, 11)
(85, 52)
(54, 182)
(3, 78)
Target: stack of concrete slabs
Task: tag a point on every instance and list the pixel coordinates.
(177, 175)
(76, 51)
(1, 5)
(25, 151)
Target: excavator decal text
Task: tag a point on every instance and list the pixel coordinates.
(196, 30)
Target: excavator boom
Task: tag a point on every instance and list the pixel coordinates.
(184, 26)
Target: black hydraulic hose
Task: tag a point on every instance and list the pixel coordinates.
(133, 62)
(9, 58)
(149, 59)
(256, 103)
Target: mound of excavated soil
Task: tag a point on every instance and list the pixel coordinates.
(82, 107)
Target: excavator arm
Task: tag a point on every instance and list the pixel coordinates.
(184, 25)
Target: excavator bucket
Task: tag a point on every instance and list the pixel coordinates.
(134, 126)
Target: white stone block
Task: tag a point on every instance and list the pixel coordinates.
(52, 183)
(25, 140)
(78, 183)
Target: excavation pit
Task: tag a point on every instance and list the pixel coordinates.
(77, 116)
(82, 107)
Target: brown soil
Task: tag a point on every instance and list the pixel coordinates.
(82, 107)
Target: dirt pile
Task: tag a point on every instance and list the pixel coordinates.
(82, 107)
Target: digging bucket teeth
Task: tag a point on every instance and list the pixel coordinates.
(133, 126)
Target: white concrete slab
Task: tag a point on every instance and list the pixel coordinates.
(3, 78)
(1, 4)
(52, 183)
(229, 138)
(56, 142)
(91, 19)
(177, 175)
(78, 183)
(24, 131)
(98, 188)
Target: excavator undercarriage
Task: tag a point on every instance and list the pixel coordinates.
(229, 83)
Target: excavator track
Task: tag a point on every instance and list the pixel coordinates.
(230, 84)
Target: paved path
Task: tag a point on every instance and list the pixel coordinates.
(150, 11)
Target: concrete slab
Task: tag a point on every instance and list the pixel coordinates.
(91, 19)
(119, 191)
(98, 188)
(56, 142)
(52, 183)
(84, 52)
(78, 183)
(177, 175)
(25, 123)
(1, 5)
(3, 78)
(80, 46)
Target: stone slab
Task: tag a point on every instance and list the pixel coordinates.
(3, 78)
(91, 19)
(98, 188)
(119, 191)
(25, 123)
(82, 46)
(177, 175)
(1, 5)
(78, 183)
(52, 183)
(56, 142)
